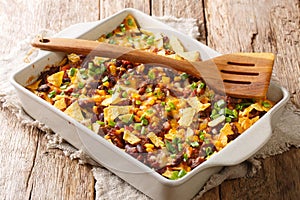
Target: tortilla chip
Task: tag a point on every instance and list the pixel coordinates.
(60, 104)
(155, 140)
(74, 111)
(130, 137)
(197, 105)
(56, 78)
(187, 116)
(34, 85)
(112, 112)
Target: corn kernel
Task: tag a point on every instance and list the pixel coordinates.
(135, 95)
(148, 145)
(149, 150)
(174, 123)
(113, 69)
(120, 131)
(195, 138)
(97, 98)
(106, 84)
(101, 92)
(139, 113)
(177, 78)
(95, 110)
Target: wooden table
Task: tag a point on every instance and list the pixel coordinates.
(29, 171)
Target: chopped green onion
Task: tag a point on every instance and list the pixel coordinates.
(137, 126)
(150, 40)
(172, 105)
(201, 85)
(241, 106)
(234, 113)
(138, 102)
(64, 86)
(185, 157)
(163, 103)
(228, 111)
(81, 85)
(266, 104)
(109, 35)
(124, 76)
(148, 89)
(111, 123)
(100, 123)
(127, 82)
(82, 71)
(208, 151)
(105, 79)
(170, 147)
(75, 95)
(72, 71)
(227, 119)
(174, 175)
(52, 94)
(84, 76)
(102, 68)
(143, 130)
(221, 103)
(144, 122)
(194, 144)
(91, 66)
(124, 94)
(181, 173)
(168, 109)
(202, 135)
(151, 75)
(110, 92)
(184, 76)
(179, 145)
(129, 22)
(194, 85)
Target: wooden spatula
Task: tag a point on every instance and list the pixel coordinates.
(245, 75)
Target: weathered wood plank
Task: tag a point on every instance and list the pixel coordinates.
(279, 178)
(234, 26)
(30, 171)
(182, 9)
(20, 19)
(27, 171)
(270, 26)
(109, 7)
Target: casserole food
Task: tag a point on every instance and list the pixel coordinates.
(122, 164)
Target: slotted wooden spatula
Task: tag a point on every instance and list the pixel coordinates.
(245, 75)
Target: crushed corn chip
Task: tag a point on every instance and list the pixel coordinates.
(130, 137)
(60, 104)
(112, 112)
(74, 111)
(56, 78)
(187, 116)
(155, 140)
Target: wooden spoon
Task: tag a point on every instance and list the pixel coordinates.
(244, 75)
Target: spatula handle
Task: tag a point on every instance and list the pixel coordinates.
(88, 47)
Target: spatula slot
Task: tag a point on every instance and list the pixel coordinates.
(240, 73)
(241, 64)
(237, 82)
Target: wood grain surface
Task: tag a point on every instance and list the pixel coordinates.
(29, 170)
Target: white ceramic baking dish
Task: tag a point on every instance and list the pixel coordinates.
(122, 164)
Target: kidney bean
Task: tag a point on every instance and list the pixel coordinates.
(43, 88)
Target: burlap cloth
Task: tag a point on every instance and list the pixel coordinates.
(285, 134)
